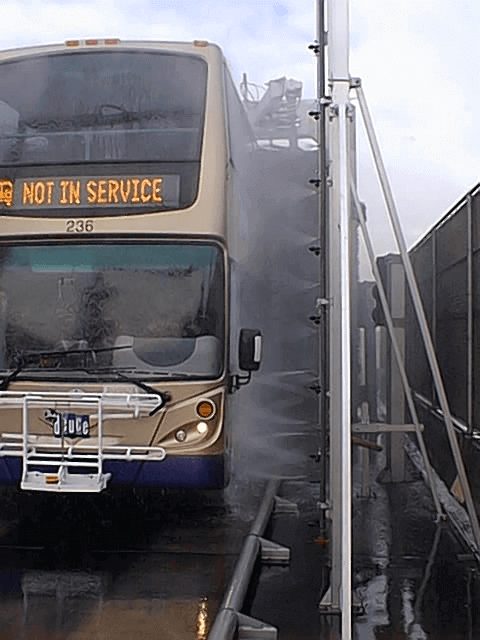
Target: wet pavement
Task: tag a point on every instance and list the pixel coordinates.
(144, 571)
(414, 580)
(158, 567)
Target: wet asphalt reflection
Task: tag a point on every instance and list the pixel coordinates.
(158, 568)
(415, 580)
(155, 568)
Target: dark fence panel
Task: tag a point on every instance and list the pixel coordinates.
(452, 239)
(447, 265)
(451, 335)
(417, 364)
(476, 221)
(476, 339)
(451, 309)
(440, 262)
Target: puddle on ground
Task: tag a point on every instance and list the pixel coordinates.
(83, 573)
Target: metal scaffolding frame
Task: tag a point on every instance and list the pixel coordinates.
(418, 308)
(397, 353)
(342, 200)
(338, 112)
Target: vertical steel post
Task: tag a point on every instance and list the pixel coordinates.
(470, 310)
(323, 237)
(434, 302)
(396, 409)
(397, 351)
(420, 313)
(340, 329)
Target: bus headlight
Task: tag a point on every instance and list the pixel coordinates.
(192, 424)
(202, 428)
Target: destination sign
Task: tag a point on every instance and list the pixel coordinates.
(88, 192)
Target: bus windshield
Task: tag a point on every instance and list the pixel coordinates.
(149, 309)
(112, 108)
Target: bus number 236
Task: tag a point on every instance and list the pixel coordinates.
(79, 226)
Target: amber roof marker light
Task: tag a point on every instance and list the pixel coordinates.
(92, 42)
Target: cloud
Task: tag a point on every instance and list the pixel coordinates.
(414, 57)
(417, 75)
(268, 36)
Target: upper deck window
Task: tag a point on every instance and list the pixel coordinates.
(104, 108)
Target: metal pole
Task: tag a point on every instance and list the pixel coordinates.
(470, 312)
(434, 300)
(323, 236)
(266, 509)
(420, 312)
(226, 621)
(340, 332)
(396, 350)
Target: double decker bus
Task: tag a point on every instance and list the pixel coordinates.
(119, 192)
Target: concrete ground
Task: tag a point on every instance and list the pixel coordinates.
(414, 580)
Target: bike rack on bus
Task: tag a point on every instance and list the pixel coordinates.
(49, 463)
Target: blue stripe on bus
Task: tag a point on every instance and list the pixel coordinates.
(203, 472)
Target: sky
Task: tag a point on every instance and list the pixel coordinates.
(418, 60)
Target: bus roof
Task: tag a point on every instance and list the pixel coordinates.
(203, 48)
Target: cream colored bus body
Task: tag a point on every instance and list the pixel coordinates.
(206, 218)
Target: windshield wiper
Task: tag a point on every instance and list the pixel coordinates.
(163, 395)
(181, 375)
(9, 377)
(5, 381)
(67, 352)
(26, 358)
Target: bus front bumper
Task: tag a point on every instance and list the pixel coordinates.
(189, 472)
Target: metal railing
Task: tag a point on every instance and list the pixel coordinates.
(229, 618)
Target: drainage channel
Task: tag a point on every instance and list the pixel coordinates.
(229, 620)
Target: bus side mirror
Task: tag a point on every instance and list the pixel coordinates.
(250, 350)
(249, 357)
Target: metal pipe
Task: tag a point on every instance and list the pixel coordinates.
(25, 438)
(226, 621)
(420, 313)
(366, 444)
(266, 509)
(470, 312)
(457, 423)
(396, 350)
(340, 313)
(238, 586)
(427, 574)
(434, 298)
(225, 625)
(323, 236)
